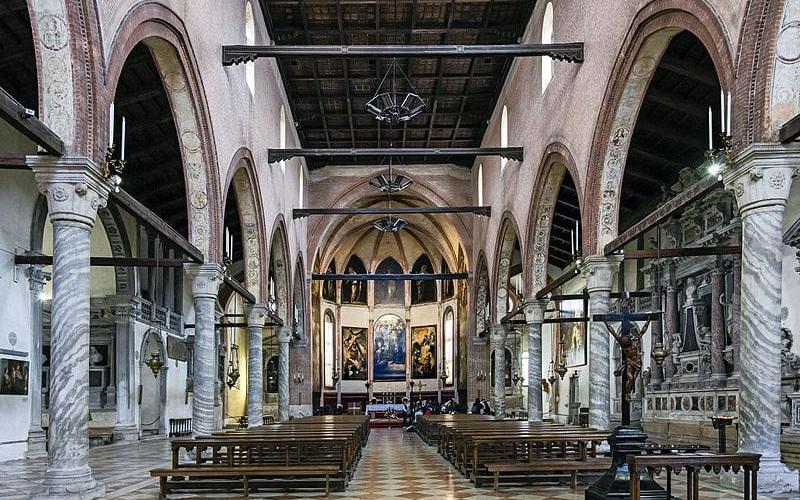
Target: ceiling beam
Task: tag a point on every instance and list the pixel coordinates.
(390, 277)
(568, 52)
(275, 155)
(24, 121)
(299, 213)
(790, 130)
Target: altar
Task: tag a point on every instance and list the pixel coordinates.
(373, 409)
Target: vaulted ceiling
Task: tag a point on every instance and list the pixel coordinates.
(328, 96)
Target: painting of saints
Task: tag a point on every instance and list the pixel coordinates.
(574, 337)
(354, 349)
(389, 348)
(14, 375)
(423, 290)
(354, 291)
(423, 352)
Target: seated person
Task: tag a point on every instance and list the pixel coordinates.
(477, 407)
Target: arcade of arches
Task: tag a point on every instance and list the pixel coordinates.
(192, 244)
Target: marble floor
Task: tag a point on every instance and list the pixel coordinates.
(395, 465)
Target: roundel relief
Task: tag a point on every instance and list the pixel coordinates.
(190, 140)
(174, 81)
(788, 47)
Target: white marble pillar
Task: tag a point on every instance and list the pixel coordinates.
(284, 337)
(760, 179)
(205, 279)
(37, 439)
(599, 272)
(499, 334)
(534, 317)
(256, 317)
(74, 190)
(126, 428)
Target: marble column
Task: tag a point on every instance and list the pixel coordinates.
(534, 317)
(74, 189)
(760, 179)
(126, 428)
(599, 272)
(499, 334)
(671, 322)
(656, 329)
(37, 439)
(284, 337)
(717, 324)
(205, 282)
(256, 317)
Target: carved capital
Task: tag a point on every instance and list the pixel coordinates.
(534, 310)
(37, 277)
(284, 334)
(73, 186)
(762, 175)
(599, 271)
(256, 315)
(205, 279)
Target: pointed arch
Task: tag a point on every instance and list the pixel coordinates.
(299, 298)
(279, 269)
(482, 296)
(508, 242)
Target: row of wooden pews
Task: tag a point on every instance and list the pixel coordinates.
(483, 447)
(308, 452)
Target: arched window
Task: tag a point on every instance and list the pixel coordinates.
(504, 135)
(480, 184)
(329, 349)
(283, 135)
(250, 39)
(302, 182)
(449, 342)
(547, 37)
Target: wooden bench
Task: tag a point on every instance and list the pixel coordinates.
(243, 472)
(101, 435)
(550, 465)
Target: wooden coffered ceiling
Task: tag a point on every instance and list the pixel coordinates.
(328, 95)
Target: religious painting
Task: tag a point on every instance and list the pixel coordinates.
(271, 380)
(354, 291)
(389, 292)
(573, 334)
(389, 348)
(423, 290)
(329, 286)
(507, 369)
(423, 352)
(354, 353)
(448, 286)
(14, 373)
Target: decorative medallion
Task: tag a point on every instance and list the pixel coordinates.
(199, 200)
(190, 140)
(777, 180)
(60, 194)
(644, 66)
(174, 81)
(787, 48)
(12, 338)
(53, 31)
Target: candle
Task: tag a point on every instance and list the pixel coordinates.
(728, 124)
(111, 125)
(227, 241)
(710, 132)
(572, 241)
(577, 238)
(722, 110)
(122, 148)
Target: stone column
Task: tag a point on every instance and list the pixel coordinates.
(37, 439)
(761, 179)
(717, 324)
(671, 320)
(75, 190)
(656, 329)
(205, 282)
(126, 427)
(256, 316)
(499, 334)
(599, 271)
(284, 337)
(534, 317)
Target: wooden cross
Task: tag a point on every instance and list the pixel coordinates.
(630, 346)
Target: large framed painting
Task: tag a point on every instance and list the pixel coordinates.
(423, 352)
(354, 353)
(13, 377)
(573, 335)
(390, 292)
(389, 348)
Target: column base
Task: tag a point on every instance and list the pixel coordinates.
(535, 416)
(37, 444)
(299, 411)
(125, 433)
(72, 484)
(773, 477)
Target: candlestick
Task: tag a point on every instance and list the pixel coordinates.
(722, 110)
(122, 148)
(710, 132)
(111, 125)
(728, 123)
(572, 241)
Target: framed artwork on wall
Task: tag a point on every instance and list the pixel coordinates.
(389, 348)
(573, 335)
(423, 352)
(354, 353)
(13, 377)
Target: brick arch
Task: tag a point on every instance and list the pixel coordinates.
(162, 31)
(649, 36)
(279, 255)
(557, 162)
(509, 233)
(482, 294)
(243, 179)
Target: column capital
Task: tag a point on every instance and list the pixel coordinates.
(284, 334)
(73, 186)
(499, 334)
(599, 270)
(206, 279)
(37, 277)
(256, 315)
(534, 310)
(762, 175)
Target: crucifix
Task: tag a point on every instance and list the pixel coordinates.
(630, 345)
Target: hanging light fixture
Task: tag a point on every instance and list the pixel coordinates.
(232, 371)
(395, 105)
(390, 224)
(154, 363)
(390, 184)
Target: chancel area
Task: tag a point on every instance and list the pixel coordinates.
(399, 249)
